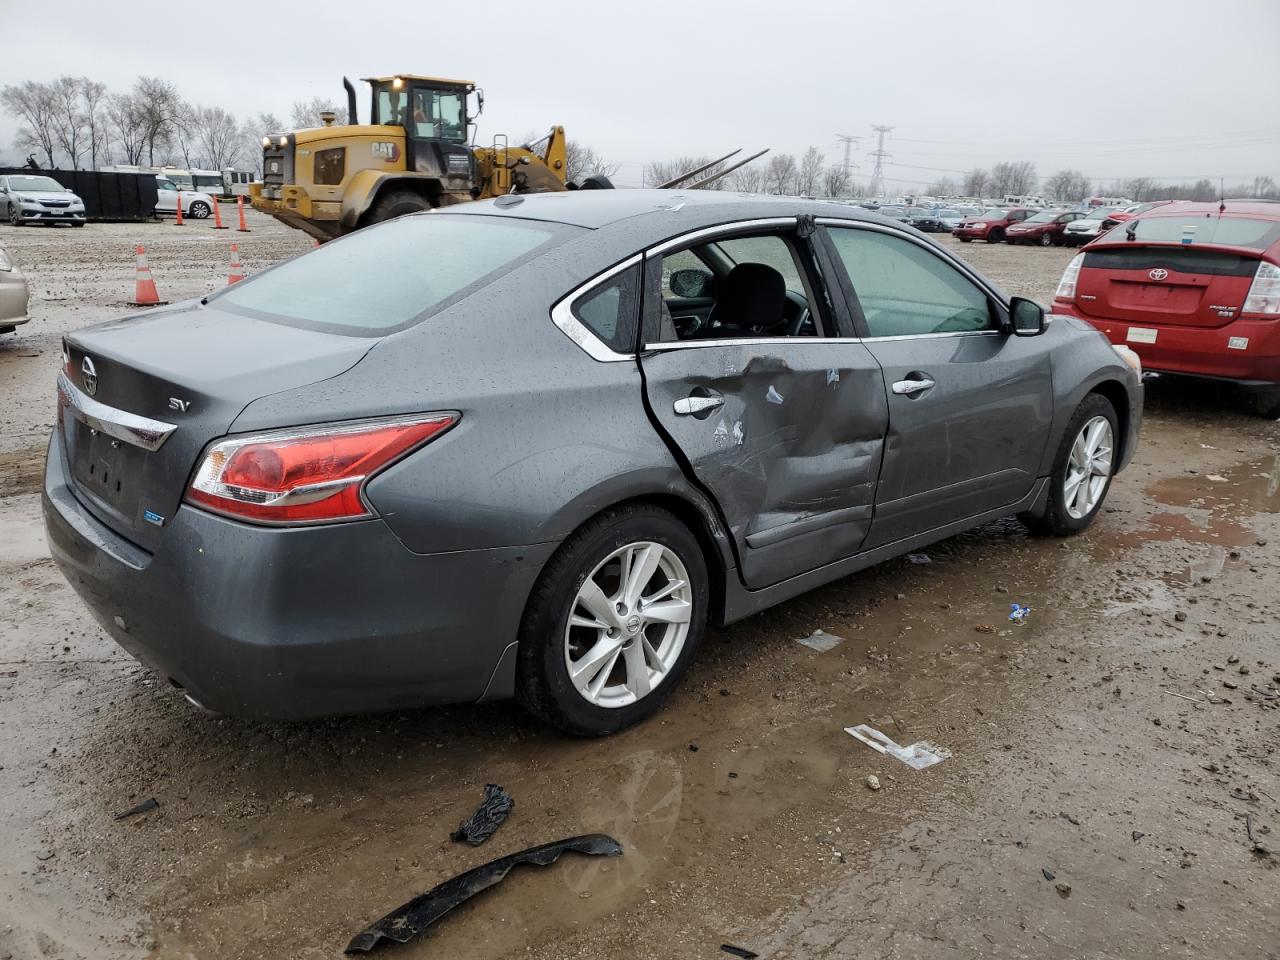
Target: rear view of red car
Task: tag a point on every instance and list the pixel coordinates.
(1193, 288)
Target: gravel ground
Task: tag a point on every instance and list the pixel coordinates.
(1109, 757)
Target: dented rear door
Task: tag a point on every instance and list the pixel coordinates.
(785, 433)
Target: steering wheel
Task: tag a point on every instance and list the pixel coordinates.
(798, 323)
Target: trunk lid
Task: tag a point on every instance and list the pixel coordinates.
(193, 368)
(1181, 285)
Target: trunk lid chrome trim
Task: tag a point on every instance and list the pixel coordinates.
(133, 429)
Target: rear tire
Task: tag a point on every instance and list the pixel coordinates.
(398, 204)
(1266, 403)
(643, 659)
(199, 210)
(1082, 470)
(966, 239)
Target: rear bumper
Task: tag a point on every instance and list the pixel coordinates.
(1244, 351)
(14, 298)
(288, 624)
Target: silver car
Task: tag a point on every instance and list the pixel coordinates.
(33, 198)
(13, 294)
(532, 446)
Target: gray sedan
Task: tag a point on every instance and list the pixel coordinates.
(14, 294)
(533, 446)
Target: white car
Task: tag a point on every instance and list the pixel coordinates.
(32, 198)
(194, 204)
(1087, 228)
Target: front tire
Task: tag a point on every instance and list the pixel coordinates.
(199, 210)
(613, 622)
(398, 204)
(995, 236)
(1046, 240)
(1082, 470)
(966, 239)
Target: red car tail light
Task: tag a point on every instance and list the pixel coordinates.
(1264, 292)
(306, 475)
(1070, 277)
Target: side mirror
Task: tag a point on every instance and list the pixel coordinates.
(1026, 317)
(691, 284)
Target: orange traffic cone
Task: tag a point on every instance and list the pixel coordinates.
(217, 215)
(240, 207)
(237, 269)
(144, 294)
(178, 221)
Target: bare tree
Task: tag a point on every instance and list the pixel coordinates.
(68, 119)
(219, 137)
(93, 97)
(1067, 185)
(946, 187)
(809, 173)
(1017, 177)
(1140, 188)
(252, 134)
(661, 171)
(780, 176)
(1263, 188)
(186, 134)
(34, 104)
(837, 180)
(746, 179)
(158, 106)
(128, 126)
(582, 161)
(306, 113)
(976, 182)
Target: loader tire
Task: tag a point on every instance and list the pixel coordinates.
(596, 182)
(397, 204)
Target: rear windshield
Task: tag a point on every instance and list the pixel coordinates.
(384, 278)
(1203, 228)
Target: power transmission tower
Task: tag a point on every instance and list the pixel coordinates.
(876, 186)
(848, 142)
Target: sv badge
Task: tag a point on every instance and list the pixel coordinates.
(181, 405)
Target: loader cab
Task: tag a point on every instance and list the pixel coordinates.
(433, 113)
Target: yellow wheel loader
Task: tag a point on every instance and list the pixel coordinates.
(414, 155)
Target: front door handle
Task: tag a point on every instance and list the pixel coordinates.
(692, 406)
(911, 387)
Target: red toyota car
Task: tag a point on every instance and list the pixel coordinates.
(1193, 288)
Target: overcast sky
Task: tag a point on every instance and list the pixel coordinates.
(1174, 89)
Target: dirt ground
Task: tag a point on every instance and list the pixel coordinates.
(1109, 757)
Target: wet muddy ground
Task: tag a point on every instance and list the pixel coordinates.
(1109, 757)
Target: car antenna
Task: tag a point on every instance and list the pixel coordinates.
(1222, 196)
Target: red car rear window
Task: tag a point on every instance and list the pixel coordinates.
(1252, 232)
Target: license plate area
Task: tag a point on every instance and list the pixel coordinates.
(105, 468)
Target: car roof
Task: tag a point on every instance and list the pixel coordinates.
(596, 209)
(1266, 209)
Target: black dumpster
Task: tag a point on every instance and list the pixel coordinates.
(106, 196)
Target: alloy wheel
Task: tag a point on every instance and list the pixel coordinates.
(1088, 468)
(628, 624)
(1046, 240)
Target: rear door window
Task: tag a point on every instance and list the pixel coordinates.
(612, 310)
(385, 278)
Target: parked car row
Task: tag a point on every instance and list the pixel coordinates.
(34, 198)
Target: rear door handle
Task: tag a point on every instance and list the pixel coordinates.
(692, 406)
(908, 388)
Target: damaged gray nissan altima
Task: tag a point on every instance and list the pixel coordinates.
(532, 446)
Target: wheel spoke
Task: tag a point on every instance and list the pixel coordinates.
(597, 604)
(666, 590)
(652, 656)
(602, 677)
(668, 611)
(1072, 486)
(577, 620)
(585, 669)
(637, 671)
(643, 565)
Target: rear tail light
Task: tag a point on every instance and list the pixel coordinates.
(1067, 285)
(1264, 293)
(307, 475)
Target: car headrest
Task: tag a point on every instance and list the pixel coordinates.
(751, 297)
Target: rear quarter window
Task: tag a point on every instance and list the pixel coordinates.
(385, 278)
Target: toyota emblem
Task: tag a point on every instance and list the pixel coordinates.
(1159, 273)
(90, 376)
